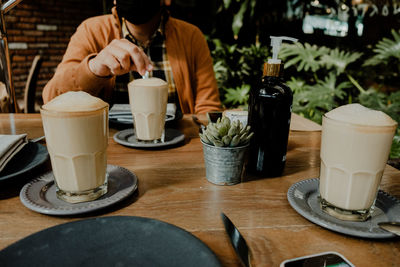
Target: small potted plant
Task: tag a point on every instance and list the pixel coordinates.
(224, 146)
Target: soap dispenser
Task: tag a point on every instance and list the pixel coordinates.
(270, 106)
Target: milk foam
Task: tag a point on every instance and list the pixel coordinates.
(358, 114)
(74, 102)
(151, 82)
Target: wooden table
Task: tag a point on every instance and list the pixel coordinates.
(173, 188)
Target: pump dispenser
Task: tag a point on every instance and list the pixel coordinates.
(273, 67)
(270, 106)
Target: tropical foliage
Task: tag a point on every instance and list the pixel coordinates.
(237, 69)
(321, 78)
(238, 18)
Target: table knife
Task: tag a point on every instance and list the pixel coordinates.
(237, 240)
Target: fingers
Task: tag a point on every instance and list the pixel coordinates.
(118, 61)
(138, 60)
(165, 2)
(141, 62)
(120, 57)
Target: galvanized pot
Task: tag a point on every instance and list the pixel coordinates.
(224, 165)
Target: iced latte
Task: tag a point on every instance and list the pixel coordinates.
(355, 146)
(148, 101)
(76, 129)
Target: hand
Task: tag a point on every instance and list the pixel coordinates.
(166, 2)
(120, 57)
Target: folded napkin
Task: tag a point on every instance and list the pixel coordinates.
(10, 145)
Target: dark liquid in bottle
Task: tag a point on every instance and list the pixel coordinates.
(269, 117)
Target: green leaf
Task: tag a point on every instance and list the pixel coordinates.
(312, 101)
(238, 18)
(390, 104)
(252, 7)
(306, 57)
(227, 3)
(339, 59)
(234, 65)
(395, 149)
(296, 84)
(385, 49)
(238, 95)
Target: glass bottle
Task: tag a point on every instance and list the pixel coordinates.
(270, 107)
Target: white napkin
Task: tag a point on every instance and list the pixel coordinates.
(10, 145)
(171, 111)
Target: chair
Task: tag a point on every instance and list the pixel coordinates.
(4, 99)
(30, 87)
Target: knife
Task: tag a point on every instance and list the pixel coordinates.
(237, 241)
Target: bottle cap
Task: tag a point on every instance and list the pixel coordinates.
(273, 68)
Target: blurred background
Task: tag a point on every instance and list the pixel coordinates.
(348, 50)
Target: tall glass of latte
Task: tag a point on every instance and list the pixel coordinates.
(76, 129)
(355, 146)
(148, 101)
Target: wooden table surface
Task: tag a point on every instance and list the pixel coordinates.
(173, 188)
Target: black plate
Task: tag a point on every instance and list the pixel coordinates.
(110, 241)
(40, 194)
(127, 137)
(303, 196)
(30, 156)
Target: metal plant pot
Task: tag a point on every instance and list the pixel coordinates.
(224, 165)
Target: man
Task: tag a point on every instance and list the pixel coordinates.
(139, 36)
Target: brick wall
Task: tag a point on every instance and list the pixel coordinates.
(43, 27)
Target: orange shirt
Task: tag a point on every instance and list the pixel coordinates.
(188, 54)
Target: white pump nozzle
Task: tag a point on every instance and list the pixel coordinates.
(276, 42)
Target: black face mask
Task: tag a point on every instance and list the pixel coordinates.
(137, 11)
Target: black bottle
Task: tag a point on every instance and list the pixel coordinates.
(270, 107)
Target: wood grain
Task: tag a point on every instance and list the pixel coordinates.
(173, 188)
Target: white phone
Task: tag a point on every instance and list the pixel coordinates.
(325, 259)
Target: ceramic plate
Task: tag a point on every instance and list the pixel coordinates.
(128, 138)
(31, 156)
(110, 241)
(303, 197)
(40, 194)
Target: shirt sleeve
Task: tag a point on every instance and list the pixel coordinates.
(206, 89)
(73, 73)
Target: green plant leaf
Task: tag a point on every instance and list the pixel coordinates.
(339, 59)
(390, 104)
(373, 99)
(220, 70)
(385, 49)
(238, 95)
(306, 57)
(395, 149)
(296, 84)
(238, 18)
(312, 101)
(252, 7)
(227, 3)
(234, 65)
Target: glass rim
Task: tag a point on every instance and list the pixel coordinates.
(76, 113)
(394, 125)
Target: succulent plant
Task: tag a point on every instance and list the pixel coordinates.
(223, 133)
